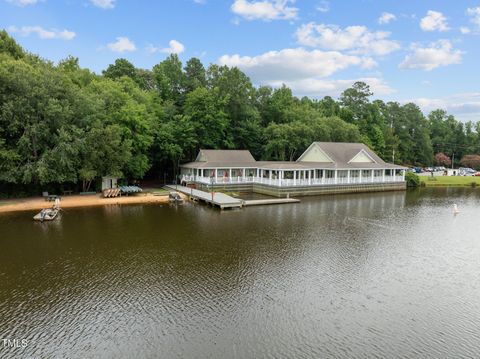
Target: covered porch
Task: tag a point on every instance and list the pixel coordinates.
(292, 177)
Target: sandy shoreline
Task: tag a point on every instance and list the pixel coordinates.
(37, 203)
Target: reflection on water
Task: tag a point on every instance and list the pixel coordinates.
(387, 275)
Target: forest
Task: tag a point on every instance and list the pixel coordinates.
(62, 124)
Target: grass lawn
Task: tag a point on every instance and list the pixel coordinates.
(449, 180)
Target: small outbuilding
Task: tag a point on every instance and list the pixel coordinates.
(109, 182)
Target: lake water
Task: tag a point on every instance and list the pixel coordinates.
(386, 275)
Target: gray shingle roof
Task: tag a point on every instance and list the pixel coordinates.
(277, 165)
(342, 152)
(226, 156)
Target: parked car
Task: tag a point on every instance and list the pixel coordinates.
(467, 172)
(477, 174)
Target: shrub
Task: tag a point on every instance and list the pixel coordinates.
(412, 179)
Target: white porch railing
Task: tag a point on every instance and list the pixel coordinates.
(292, 182)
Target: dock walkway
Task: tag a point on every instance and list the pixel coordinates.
(219, 199)
(260, 202)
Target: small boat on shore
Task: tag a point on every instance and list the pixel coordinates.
(46, 214)
(174, 197)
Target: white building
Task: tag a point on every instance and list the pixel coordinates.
(351, 166)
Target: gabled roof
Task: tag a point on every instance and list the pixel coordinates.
(362, 157)
(227, 156)
(342, 153)
(332, 155)
(314, 154)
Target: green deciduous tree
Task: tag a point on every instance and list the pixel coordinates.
(66, 124)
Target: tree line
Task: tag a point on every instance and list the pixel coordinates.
(63, 124)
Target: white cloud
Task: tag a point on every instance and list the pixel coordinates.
(294, 64)
(439, 53)
(356, 39)
(464, 106)
(474, 13)
(175, 47)
(201, 2)
(104, 4)
(305, 71)
(326, 87)
(266, 10)
(386, 17)
(123, 44)
(465, 30)
(23, 2)
(42, 33)
(434, 21)
(323, 6)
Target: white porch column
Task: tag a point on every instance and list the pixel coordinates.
(335, 177)
(373, 176)
(216, 175)
(258, 174)
(270, 176)
(230, 175)
(383, 175)
(360, 176)
(348, 176)
(403, 175)
(294, 178)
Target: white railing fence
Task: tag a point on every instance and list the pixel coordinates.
(292, 182)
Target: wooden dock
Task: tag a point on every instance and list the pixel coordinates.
(218, 199)
(261, 202)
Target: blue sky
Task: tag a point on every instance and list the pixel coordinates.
(423, 51)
